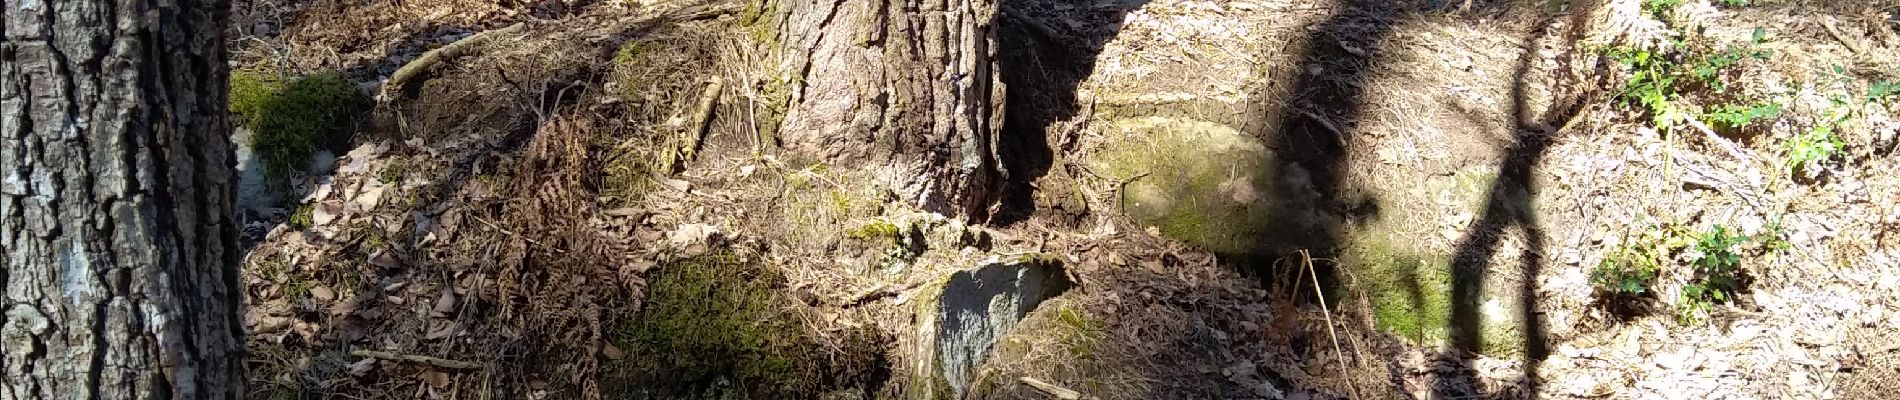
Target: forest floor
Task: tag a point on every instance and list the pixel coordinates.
(1494, 201)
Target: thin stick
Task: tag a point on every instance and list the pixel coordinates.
(1852, 46)
(1338, 355)
(702, 120)
(492, 225)
(439, 362)
(1725, 144)
(431, 57)
(1053, 390)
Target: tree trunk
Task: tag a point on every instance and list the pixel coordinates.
(116, 186)
(910, 83)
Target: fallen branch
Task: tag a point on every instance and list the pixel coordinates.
(430, 58)
(439, 362)
(702, 120)
(1724, 143)
(1053, 390)
(1852, 46)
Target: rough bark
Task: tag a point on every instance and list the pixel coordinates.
(910, 83)
(116, 233)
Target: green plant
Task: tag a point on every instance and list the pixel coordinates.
(876, 229)
(1660, 9)
(1816, 145)
(1883, 91)
(1717, 274)
(1729, 116)
(302, 218)
(393, 172)
(1661, 79)
(1625, 280)
(1628, 273)
(288, 120)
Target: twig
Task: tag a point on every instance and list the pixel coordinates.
(525, 238)
(1338, 356)
(1725, 144)
(1339, 136)
(1053, 390)
(439, 362)
(702, 118)
(451, 50)
(1835, 31)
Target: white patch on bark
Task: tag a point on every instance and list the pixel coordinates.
(29, 5)
(76, 273)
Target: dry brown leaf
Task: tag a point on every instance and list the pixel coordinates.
(612, 352)
(322, 293)
(437, 379)
(444, 304)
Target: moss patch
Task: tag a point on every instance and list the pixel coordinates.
(290, 118)
(719, 321)
(1409, 282)
(1197, 182)
(1410, 293)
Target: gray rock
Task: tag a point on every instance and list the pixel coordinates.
(252, 193)
(979, 307)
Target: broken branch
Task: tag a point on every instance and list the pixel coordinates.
(430, 58)
(1053, 390)
(439, 362)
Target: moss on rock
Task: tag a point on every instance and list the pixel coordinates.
(721, 321)
(1409, 282)
(1198, 182)
(291, 118)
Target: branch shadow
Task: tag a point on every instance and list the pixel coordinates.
(1509, 205)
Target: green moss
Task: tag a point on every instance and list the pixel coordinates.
(1198, 182)
(876, 229)
(1079, 333)
(302, 218)
(718, 318)
(289, 120)
(1411, 295)
(298, 288)
(393, 172)
(626, 177)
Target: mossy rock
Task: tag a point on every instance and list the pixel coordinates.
(290, 119)
(961, 318)
(1207, 184)
(1409, 283)
(719, 326)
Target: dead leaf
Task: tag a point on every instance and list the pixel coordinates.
(444, 305)
(437, 379)
(612, 353)
(362, 367)
(625, 212)
(692, 239)
(371, 196)
(324, 213)
(322, 293)
(382, 258)
(444, 330)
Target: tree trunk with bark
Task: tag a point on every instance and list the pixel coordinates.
(117, 238)
(910, 83)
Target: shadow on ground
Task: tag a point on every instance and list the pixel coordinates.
(1311, 122)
